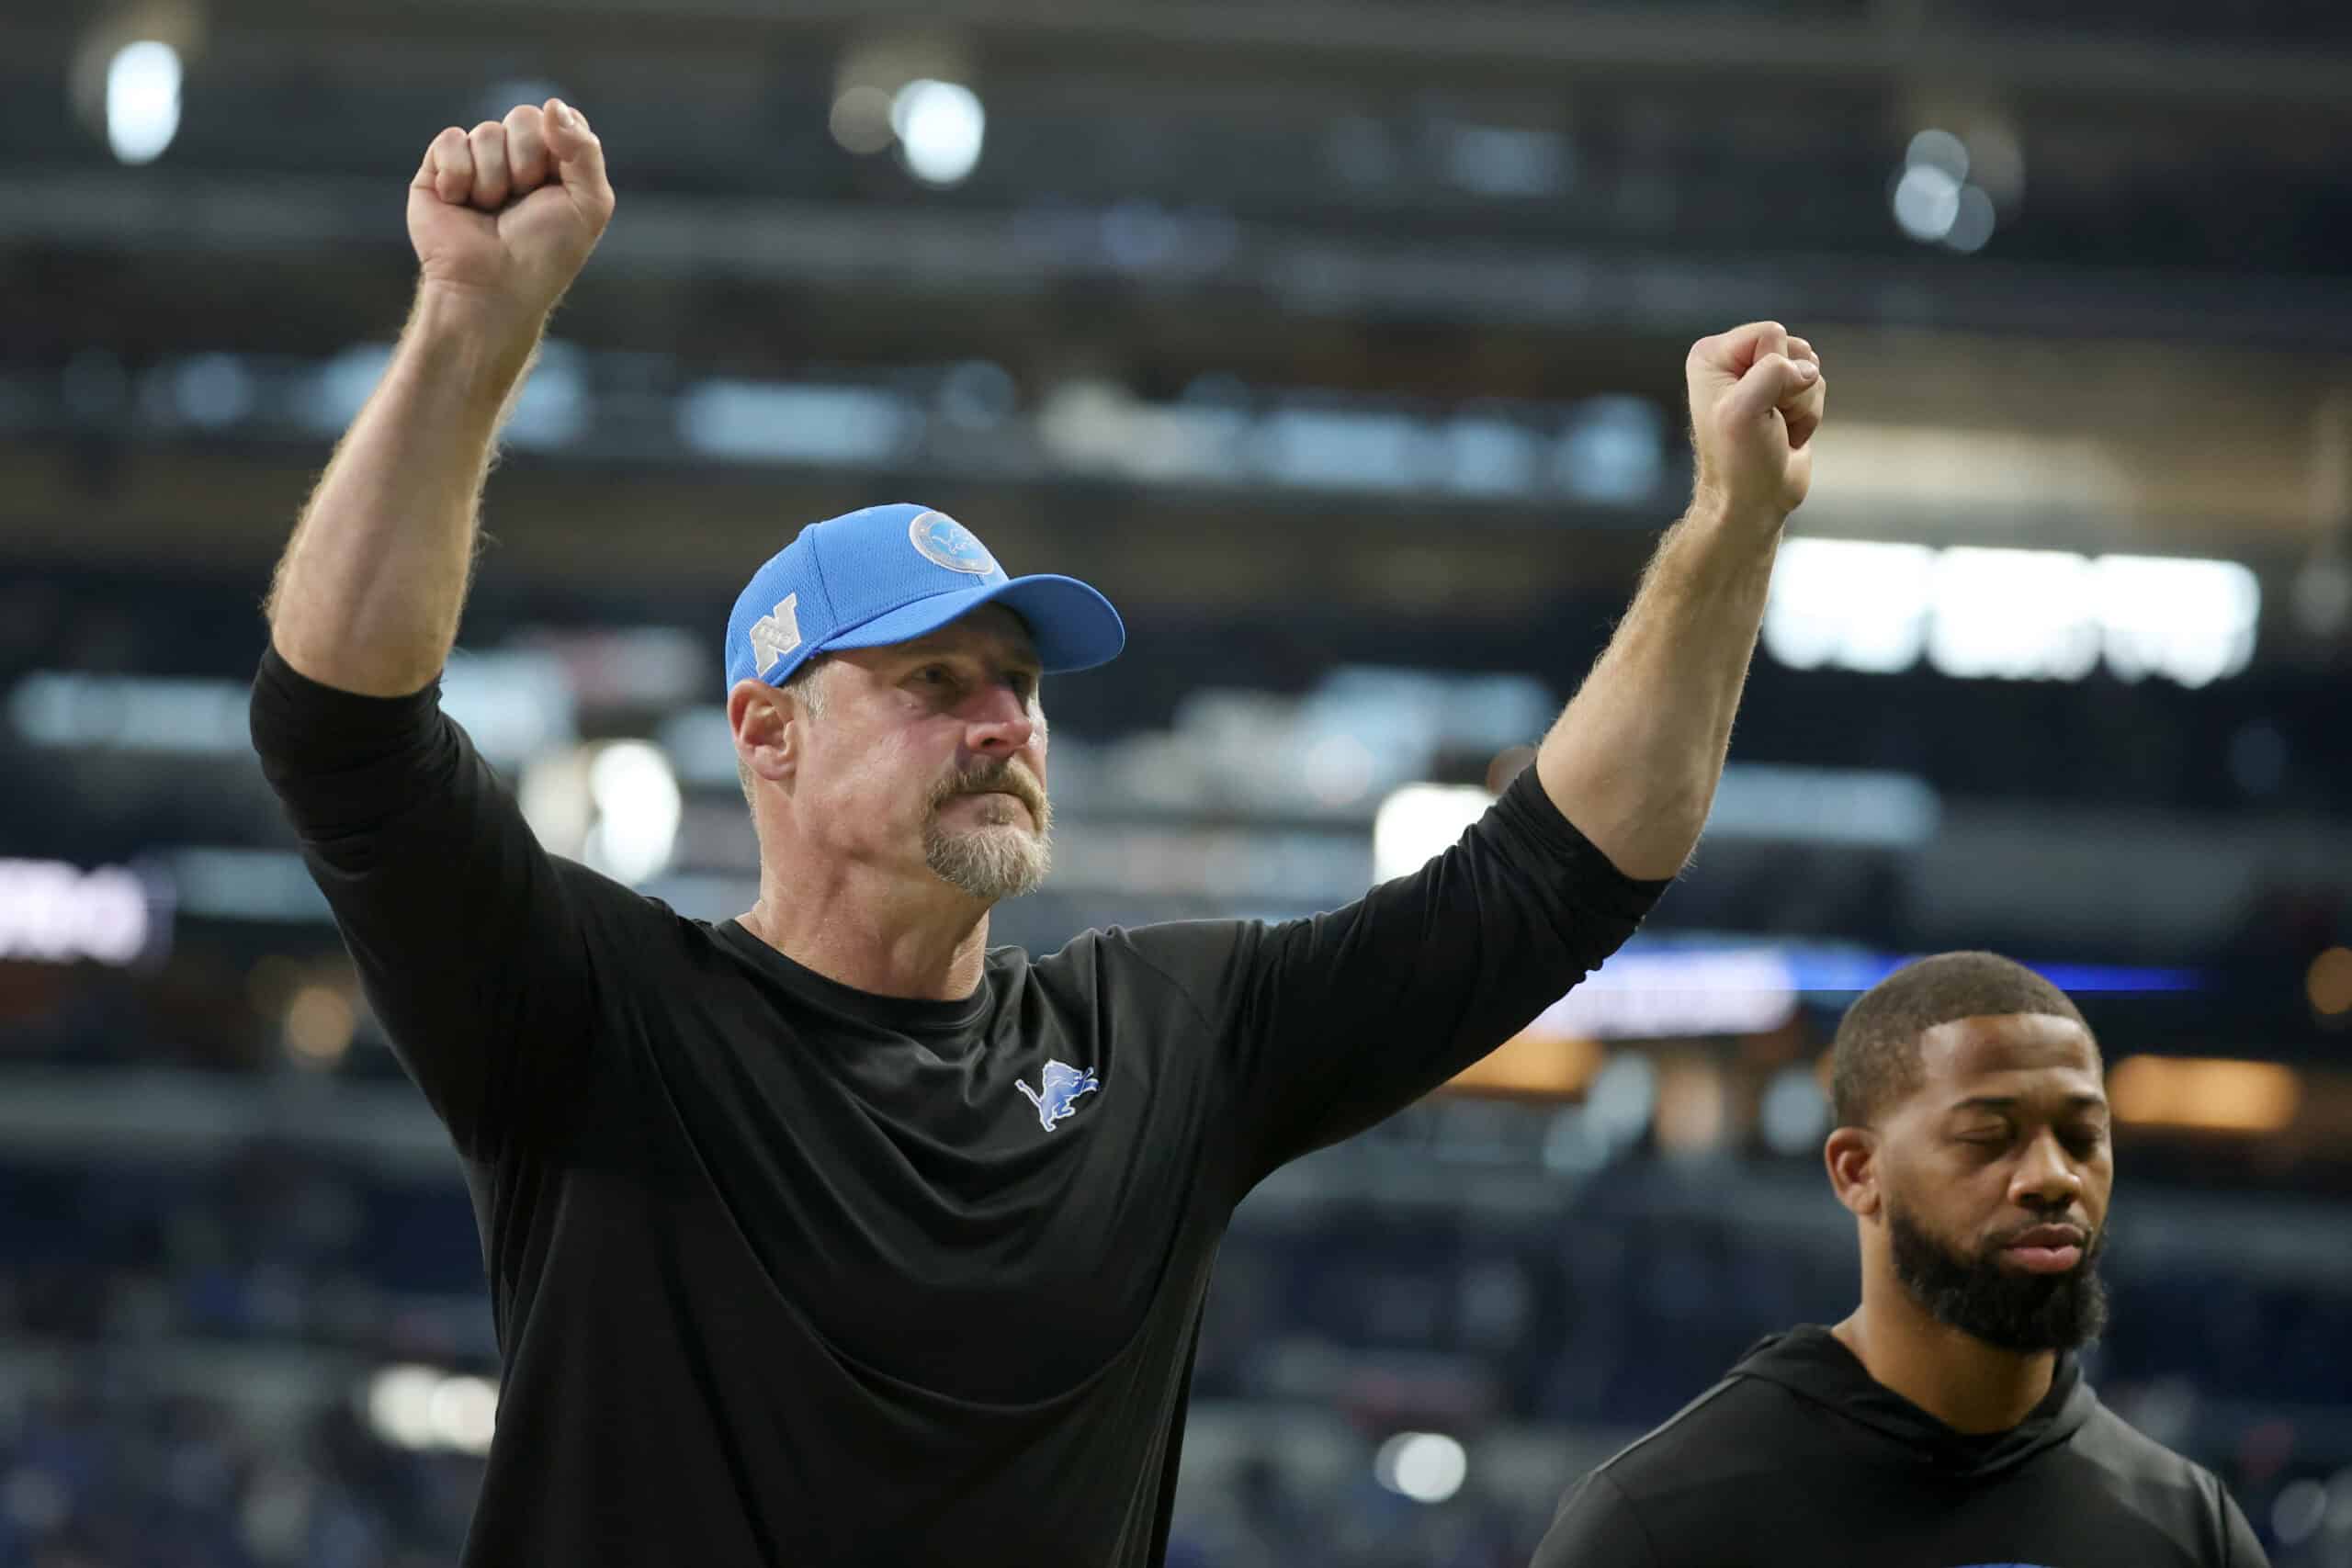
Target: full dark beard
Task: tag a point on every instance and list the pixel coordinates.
(2007, 1308)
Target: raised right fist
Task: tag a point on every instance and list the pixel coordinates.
(510, 211)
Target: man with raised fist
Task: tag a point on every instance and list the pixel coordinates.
(829, 1233)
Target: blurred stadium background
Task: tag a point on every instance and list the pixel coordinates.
(1340, 341)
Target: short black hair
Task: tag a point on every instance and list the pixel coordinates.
(1875, 1062)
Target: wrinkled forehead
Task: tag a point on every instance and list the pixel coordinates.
(2013, 1054)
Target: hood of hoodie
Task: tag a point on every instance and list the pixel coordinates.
(1814, 1365)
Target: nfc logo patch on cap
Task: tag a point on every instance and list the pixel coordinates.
(943, 541)
(776, 633)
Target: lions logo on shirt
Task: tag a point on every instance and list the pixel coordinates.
(1061, 1084)
(943, 541)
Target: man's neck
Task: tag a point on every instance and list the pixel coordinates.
(925, 942)
(1955, 1377)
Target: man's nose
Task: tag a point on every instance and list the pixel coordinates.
(2046, 1179)
(1000, 722)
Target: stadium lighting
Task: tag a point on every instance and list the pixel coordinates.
(1933, 202)
(1418, 822)
(859, 118)
(2009, 614)
(2206, 1093)
(1925, 203)
(1428, 1467)
(638, 810)
(421, 1408)
(54, 912)
(143, 100)
(939, 124)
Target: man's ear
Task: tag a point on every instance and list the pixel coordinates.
(1852, 1155)
(767, 741)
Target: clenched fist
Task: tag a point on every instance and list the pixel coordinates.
(1756, 400)
(510, 211)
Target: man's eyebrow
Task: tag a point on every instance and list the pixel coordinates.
(2007, 1102)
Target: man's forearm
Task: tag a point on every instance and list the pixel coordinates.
(1635, 760)
(367, 595)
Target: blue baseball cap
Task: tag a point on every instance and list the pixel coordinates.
(890, 574)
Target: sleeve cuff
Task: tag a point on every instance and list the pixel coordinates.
(1528, 810)
(296, 719)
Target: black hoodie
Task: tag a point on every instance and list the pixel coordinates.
(1798, 1458)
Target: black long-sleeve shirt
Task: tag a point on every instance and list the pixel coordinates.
(1799, 1458)
(787, 1273)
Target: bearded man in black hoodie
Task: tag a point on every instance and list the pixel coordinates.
(1945, 1424)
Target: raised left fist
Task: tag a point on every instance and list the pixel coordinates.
(1756, 400)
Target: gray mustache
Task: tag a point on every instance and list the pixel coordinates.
(1006, 777)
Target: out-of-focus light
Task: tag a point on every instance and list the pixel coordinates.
(1658, 995)
(1691, 1109)
(236, 882)
(343, 385)
(977, 394)
(71, 708)
(1534, 1062)
(1344, 449)
(1933, 202)
(1939, 151)
(1927, 201)
(57, 913)
(399, 1405)
(1506, 161)
(1823, 806)
(2016, 615)
(788, 422)
(2191, 620)
(2298, 1510)
(1624, 1094)
(212, 389)
(1972, 224)
(1419, 821)
(553, 408)
(940, 125)
(1612, 449)
(1337, 770)
(2322, 592)
(2009, 614)
(1996, 163)
(1854, 603)
(1428, 1467)
(2329, 983)
(462, 1414)
(420, 1408)
(860, 119)
(1795, 1111)
(637, 808)
(143, 100)
(2205, 1093)
(319, 1022)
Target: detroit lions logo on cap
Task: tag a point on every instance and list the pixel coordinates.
(943, 541)
(1060, 1083)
